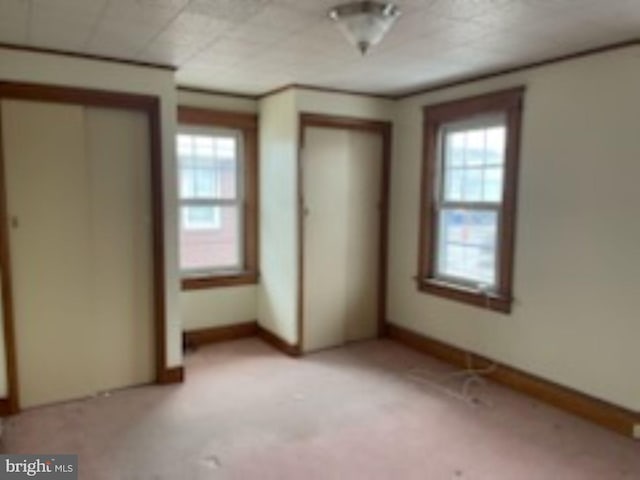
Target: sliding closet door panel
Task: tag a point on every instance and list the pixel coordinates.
(47, 192)
(78, 191)
(363, 243)
(120, 225)
(325, 170)
(341, 172)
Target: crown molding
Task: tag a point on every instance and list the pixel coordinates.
(317, 88)
(431, 88)
(519, 68)
(300, 86)
(86, 56)
(223, 93)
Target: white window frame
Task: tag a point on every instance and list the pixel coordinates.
(484, 121)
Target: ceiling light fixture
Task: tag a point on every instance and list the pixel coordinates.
(364, 23)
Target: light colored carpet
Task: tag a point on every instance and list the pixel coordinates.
(248, 412)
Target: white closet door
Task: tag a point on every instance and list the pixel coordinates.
(120, 225)
(47, 192)
(363, 240)
(78, 199)
(341, 172)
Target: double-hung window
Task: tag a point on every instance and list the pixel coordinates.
(469, 193)
(216, 188)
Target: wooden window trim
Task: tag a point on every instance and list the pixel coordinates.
(508, 102)
(247, 123)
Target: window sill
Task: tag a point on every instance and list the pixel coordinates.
(217, 281)
(465, 295)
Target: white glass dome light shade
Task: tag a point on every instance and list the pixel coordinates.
(364, 23)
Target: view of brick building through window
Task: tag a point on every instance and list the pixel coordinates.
(210, 203)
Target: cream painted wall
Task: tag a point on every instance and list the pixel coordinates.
(575, 317)
(278, 144)
(278, 292)
(217, 102)
(61, 70)
(344, 104)
(219, 306)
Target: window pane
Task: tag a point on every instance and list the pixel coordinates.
(467, 246)
(454, 184)
(203, 146)
(466, 184)
(226, 154)
(474, 156)
(455, 149)
(208, 166)
(493, 185)
(474, 162)
(184, 145)
(210, 238)
(201, 218)
(496, 144)
(472, 186)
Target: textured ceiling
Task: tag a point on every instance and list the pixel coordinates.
(253, 46)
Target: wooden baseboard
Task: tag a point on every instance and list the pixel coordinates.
(278, 343)
(5, 407)
(600, 412)
(171, 375)
(204, 336)
(195, 338)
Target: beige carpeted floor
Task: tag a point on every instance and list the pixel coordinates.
(366, 411)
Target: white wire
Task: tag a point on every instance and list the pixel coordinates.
(469, 375)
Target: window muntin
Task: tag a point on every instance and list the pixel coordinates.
(211, 178)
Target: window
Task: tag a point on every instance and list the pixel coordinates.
(468, 199)
(207, 164)
(217, 190)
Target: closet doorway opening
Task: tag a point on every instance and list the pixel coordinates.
(91, 163)
(343, 183)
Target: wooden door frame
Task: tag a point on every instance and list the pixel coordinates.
(379, 127)
(148, 104)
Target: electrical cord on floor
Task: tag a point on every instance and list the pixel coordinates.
(468, 378)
